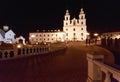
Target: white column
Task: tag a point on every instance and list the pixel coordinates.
(94, 72)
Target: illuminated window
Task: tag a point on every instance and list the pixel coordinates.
(74, 29)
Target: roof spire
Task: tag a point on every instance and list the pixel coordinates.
(81, 11)
(67, 12)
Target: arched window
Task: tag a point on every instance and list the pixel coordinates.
(23, 50)
(66, 18)
(81, 17)
(19, 51)
(6, 54)
(74, 22)
(30, 50)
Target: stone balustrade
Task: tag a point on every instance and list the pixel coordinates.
(96, 68)
(29, 50)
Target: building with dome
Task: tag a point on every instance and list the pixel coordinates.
(73, 30)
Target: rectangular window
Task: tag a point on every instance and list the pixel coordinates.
(81, 28)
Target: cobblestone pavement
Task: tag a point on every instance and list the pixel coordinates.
(69, 65)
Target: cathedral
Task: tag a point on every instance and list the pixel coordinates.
(73, 30)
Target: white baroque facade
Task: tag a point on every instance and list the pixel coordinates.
(73, 30)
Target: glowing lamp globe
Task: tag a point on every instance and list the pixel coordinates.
(5, 28)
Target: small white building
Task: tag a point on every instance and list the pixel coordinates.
(7, 36)
(46, 37)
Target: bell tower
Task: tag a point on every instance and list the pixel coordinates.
(82, 19)
(67, 19)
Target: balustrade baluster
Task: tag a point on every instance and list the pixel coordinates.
(107, 78)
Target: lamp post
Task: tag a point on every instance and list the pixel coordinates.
(88, 38)
(96, 36)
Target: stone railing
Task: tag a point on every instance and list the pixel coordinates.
(29, 50)
(96, 68)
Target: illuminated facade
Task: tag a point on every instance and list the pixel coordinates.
(53, 36)
(75, 29)
(112, 35)
(7, 36)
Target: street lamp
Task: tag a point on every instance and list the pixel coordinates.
(19, 46)
(96, 36)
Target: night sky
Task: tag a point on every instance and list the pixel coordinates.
(24, 16)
